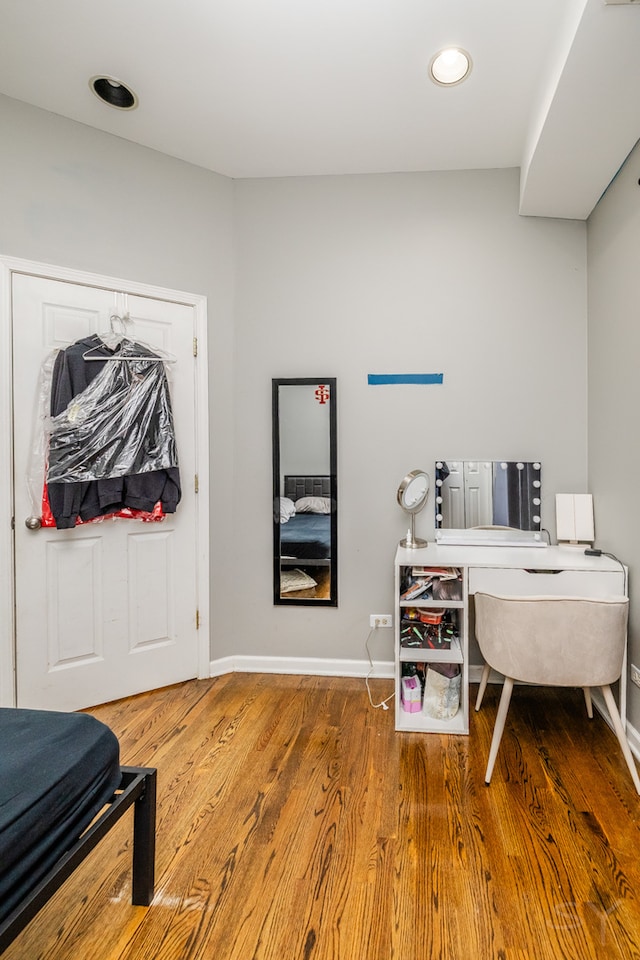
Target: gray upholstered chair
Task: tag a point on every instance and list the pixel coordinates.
(553, 641)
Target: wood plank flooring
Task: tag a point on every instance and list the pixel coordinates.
(295, 824)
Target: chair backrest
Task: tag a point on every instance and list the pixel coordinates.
(556, 641)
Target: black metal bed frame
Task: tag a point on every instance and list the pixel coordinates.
(137, 788)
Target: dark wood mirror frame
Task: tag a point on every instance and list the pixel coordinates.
(312, 552)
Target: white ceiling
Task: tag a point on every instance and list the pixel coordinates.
(278, 88)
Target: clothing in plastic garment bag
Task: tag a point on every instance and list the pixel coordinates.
(111, 434)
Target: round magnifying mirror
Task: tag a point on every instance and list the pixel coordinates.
(412, 496)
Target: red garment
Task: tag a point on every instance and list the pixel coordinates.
(157, 514)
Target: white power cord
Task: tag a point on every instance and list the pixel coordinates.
(383, 703)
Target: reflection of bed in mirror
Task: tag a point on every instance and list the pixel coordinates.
(305, 537)
(488, 501)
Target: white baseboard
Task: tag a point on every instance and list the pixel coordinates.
(316, 666)
(634, 740)
(632, 734)
(309, 666)
(475, 672)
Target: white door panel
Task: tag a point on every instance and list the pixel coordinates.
(73, 596)
(151, 570)
(478, 487)
(109, 608)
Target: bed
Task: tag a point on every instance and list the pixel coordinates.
(305, 539)
(61, 790)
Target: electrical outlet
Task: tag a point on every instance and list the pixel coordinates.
(635, 675)
(380, 620)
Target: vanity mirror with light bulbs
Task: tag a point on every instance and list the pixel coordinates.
(305, 497)
(489, 501)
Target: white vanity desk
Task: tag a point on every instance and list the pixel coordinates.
(515, 571)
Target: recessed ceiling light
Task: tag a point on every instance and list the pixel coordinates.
(114, 93)
(450, 66)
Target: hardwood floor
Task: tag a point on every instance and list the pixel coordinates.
(295, 824)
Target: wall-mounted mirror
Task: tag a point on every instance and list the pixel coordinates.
(305, 530)
(493, 496)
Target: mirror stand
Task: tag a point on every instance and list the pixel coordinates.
(412, 496)
(411, 541)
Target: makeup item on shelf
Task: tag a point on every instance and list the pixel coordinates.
(411, 694)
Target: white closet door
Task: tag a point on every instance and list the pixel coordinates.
(107, 609)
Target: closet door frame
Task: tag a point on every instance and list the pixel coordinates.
(9, 422)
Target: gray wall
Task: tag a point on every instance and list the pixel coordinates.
(342, 277)
(614, 382)
(73, 196)
(345, 276)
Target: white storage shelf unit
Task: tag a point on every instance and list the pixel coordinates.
(512, 571)
(454, 612)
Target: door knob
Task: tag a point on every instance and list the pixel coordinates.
(33, 523)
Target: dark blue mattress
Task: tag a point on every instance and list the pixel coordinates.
(57, 770)
(306, 536)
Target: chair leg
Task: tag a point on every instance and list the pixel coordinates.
(498, 729)
(483, 685)
(587, 700)
(621, 735)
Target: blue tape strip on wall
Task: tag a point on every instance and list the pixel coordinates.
(379, 378)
